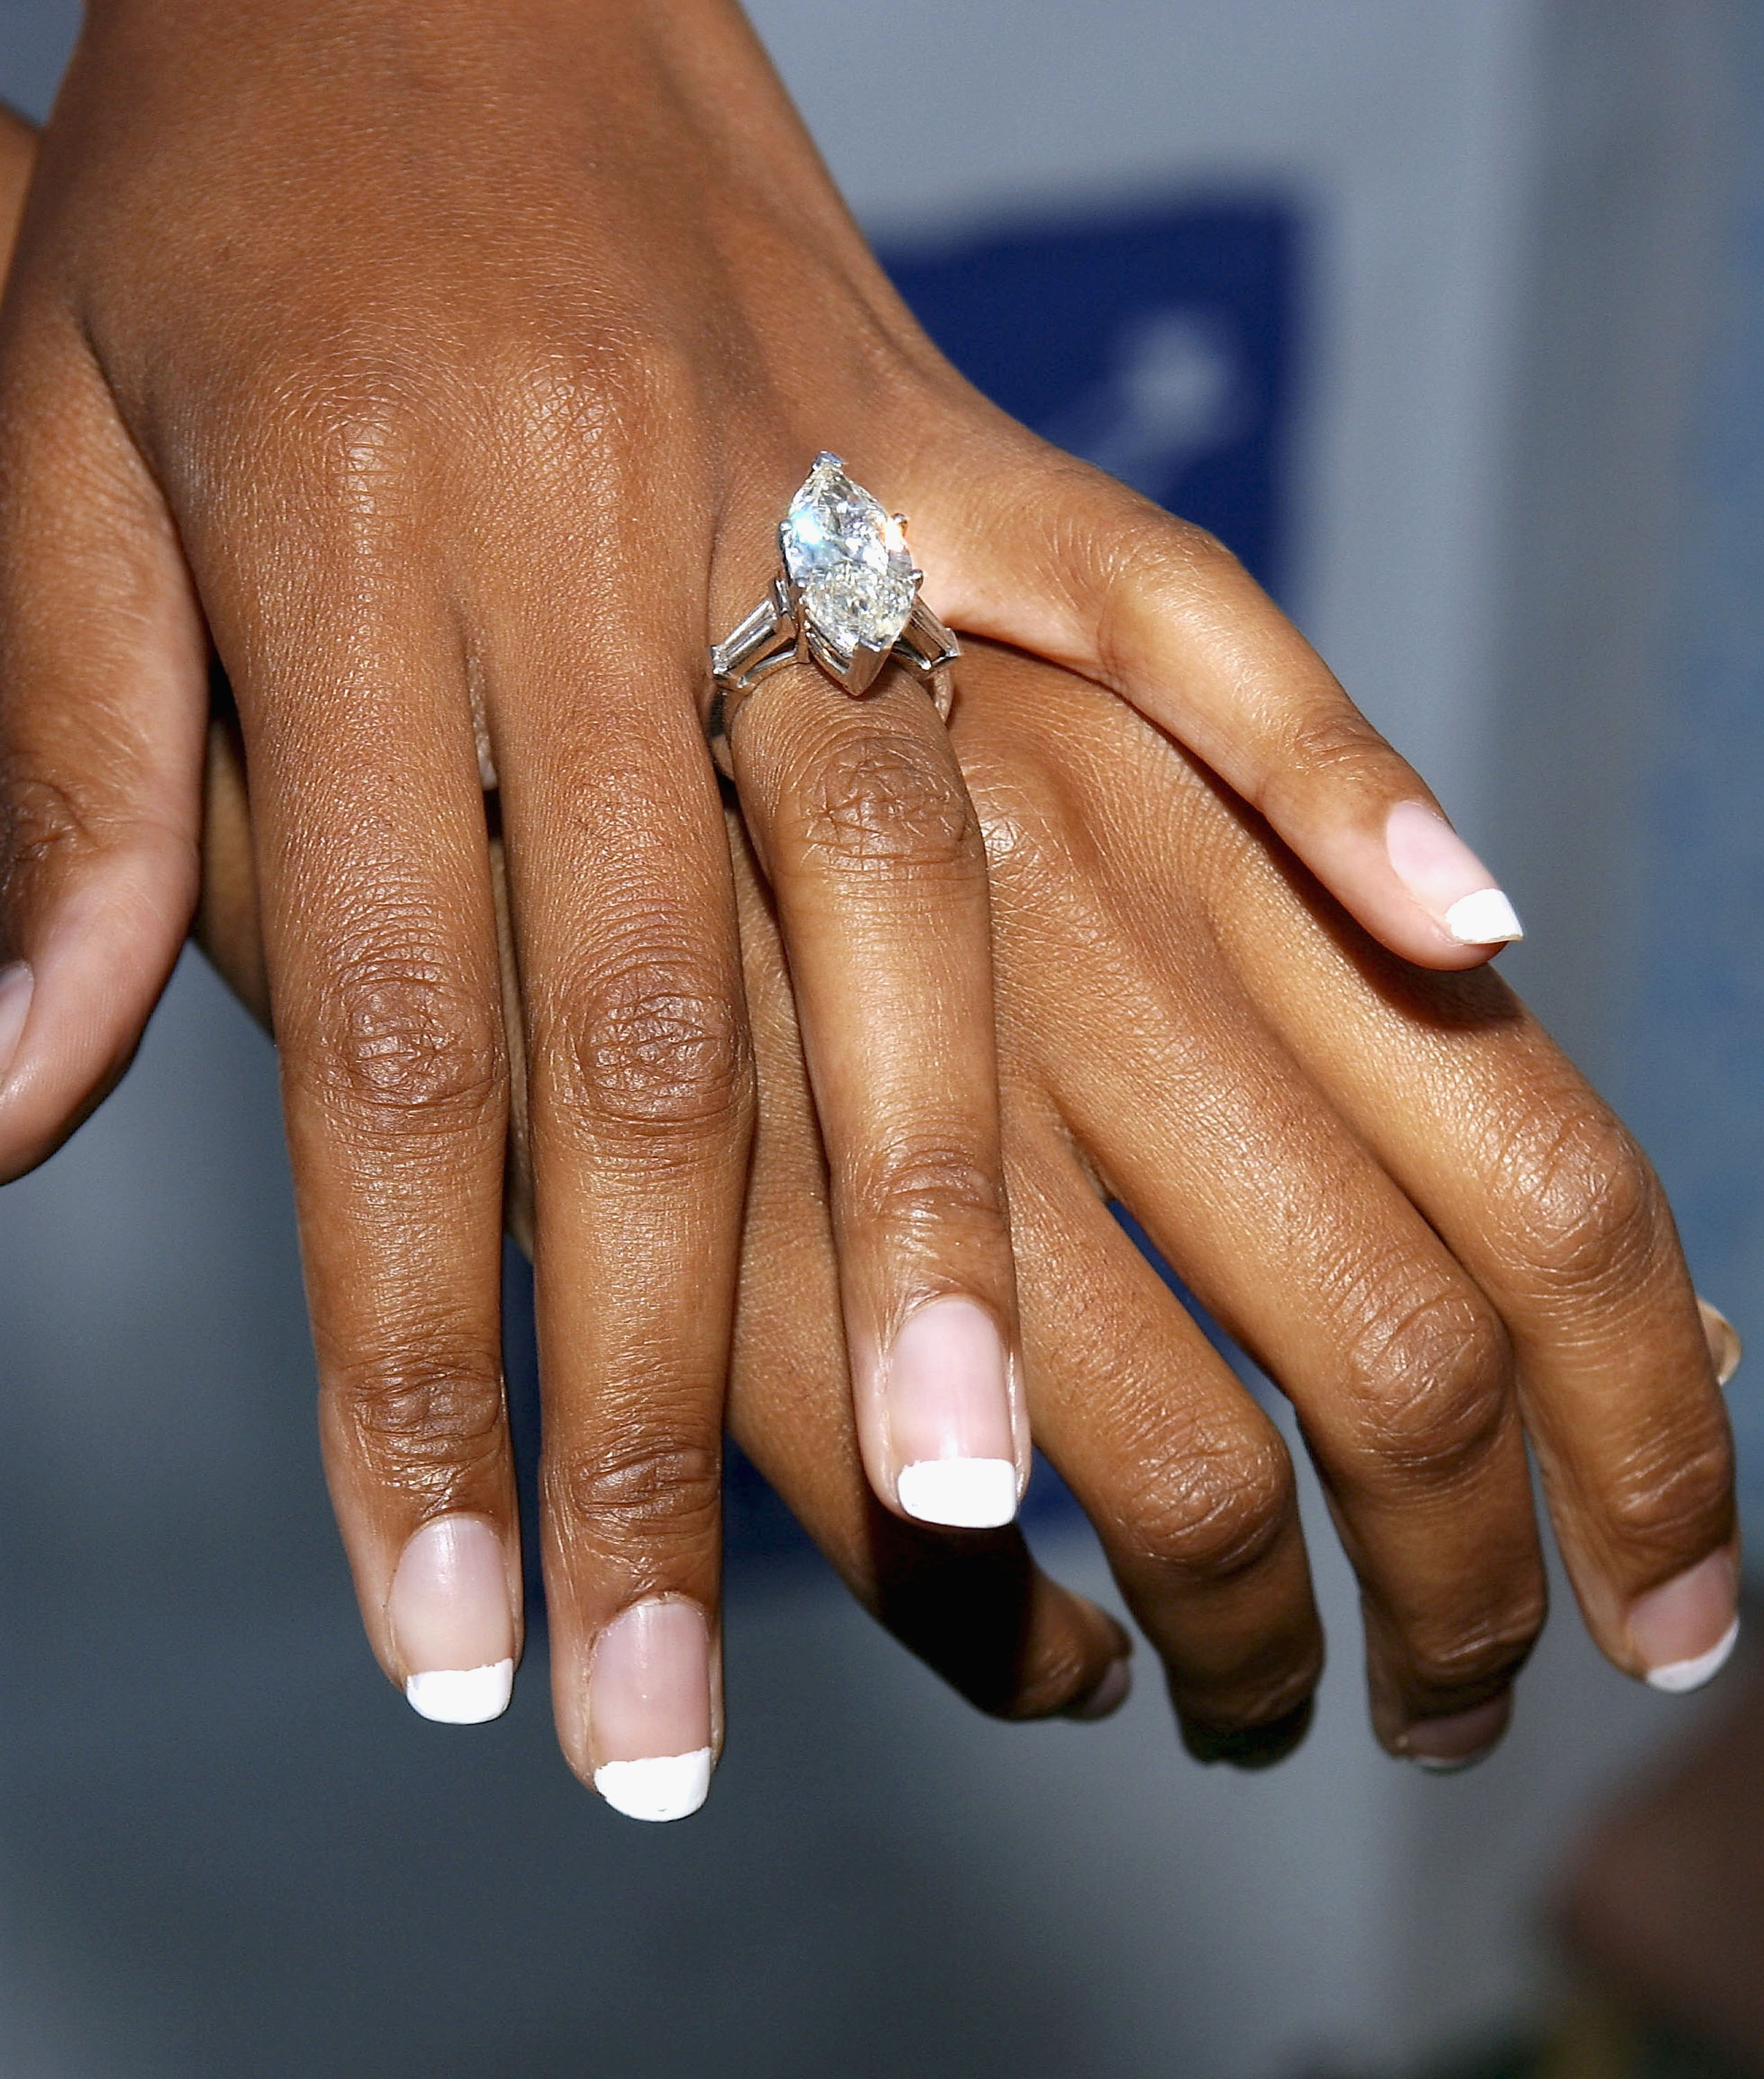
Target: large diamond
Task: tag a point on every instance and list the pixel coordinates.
(850, 560)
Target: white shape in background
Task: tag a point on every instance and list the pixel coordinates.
(1174, 392)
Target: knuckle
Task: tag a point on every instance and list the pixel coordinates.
(1428, 1376)
(1587, 1210)
(1329, 740)
(351, 411)
(889, 800)
(915, 1189)
(1151, 561)
(646, 1486)
(1209, 1511)
(44, 820)
(399, 1036)
(427, 1409)
(1156, 550)
(1448, 1657)
(1673, 1498)
(654, 1042)
(590, 417)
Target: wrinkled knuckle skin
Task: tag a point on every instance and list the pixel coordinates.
(425, 1413)
(1445, 1663)
(1333, 742)
(653, 1044)
(1674, 1502)
(918, 1189)
(641, 1492)
(889, 803)
(1430, 1379)
(42, 822)
(1162, 552)
(587, 422)
(1587, 1210)
(399, 1040)
(1209, 1515)
(353, 415)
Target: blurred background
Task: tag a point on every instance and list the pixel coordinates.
(1449, 316)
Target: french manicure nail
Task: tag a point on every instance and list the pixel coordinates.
(1442, 1746)
(1725, 1348)
(649, 1710)
(17, 982)
(949, 1408)
(1107, 1698)
(1683, 1633)
(1446, 879)
(452, 1626)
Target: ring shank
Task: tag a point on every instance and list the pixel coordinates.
(777, 633)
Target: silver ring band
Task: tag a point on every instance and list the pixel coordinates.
(846, 597)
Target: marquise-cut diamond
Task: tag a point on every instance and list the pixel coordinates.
(849, 559)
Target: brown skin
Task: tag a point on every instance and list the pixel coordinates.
(450, 367)
(1389, 1186)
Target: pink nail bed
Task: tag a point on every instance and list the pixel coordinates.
(1684, 1631)
(1443, 1746)
(452, 1625)
(1446, 879)
(950, 1422)
(650, 1710)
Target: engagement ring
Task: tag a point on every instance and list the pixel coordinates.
(846, 598)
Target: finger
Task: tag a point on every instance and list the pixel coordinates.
(1395, 1361)
(1536, 1186)
(864, 827)
(18, 154)
(1050, 555)
(102, 695)
(977, 1610)
(1185, 1479)
(1297, 1243)
(371, 881)
(640, 1099)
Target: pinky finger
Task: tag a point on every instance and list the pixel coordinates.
(103, 671)
(1106, 582)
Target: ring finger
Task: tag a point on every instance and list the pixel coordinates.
(864, 828)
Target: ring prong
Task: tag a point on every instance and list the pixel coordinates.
(860, 675)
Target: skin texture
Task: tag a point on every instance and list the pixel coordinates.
(448, 369)
(1389, 1187)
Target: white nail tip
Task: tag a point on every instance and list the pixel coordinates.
(661, 1786)
(461, 1696)
(1678, 1676)
(963, 1493)
(1486, 919)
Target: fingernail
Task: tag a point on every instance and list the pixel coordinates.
(1446, 879)
(16, 984)
(1442, 1746)
(649, 1711)
(948, 1405)
(1725, 1348)
(1683, 1633)
(1106, 1698)
(452, 1627)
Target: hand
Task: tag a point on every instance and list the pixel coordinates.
(1389, 1186)
(455, 366)
(46, 861)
